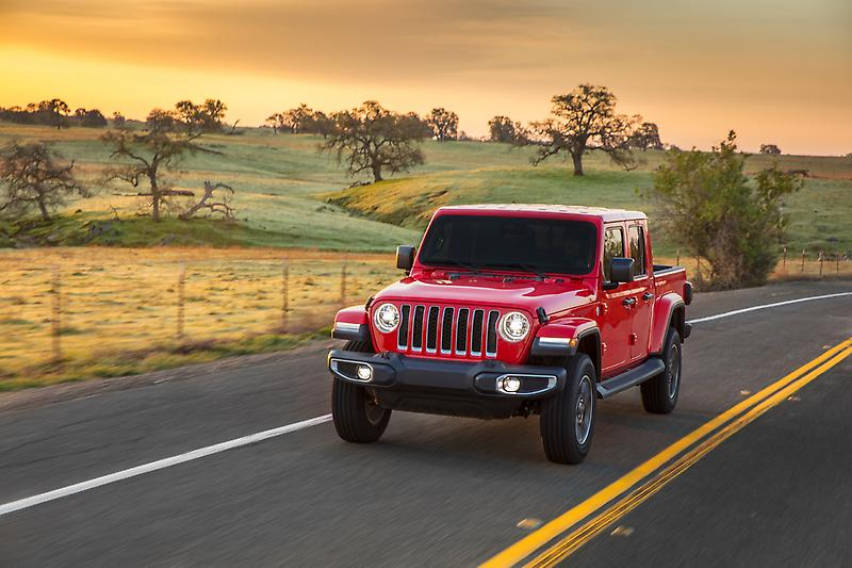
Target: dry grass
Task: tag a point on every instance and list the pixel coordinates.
(119, 307)
(126, 300)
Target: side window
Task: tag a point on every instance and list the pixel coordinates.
(613, 248)
(636, 239)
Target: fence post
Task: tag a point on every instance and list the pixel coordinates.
(784, 262)
(820, 263)
(180, 300)
(699, 280)
(343, 282)
(803, 260)
(56, 317)
(837, 261)
(677, 262)
(285, 293)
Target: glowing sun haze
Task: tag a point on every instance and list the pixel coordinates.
(777, 71)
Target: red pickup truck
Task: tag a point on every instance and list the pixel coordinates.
(512, 310)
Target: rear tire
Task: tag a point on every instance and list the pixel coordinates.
(568, 419)
(659, 395)
(357, 418)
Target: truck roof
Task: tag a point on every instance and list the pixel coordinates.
(604, 214)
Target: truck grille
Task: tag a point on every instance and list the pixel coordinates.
(447, 330)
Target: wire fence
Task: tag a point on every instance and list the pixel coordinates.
(51, 314)
(791, 265)
(55, 309)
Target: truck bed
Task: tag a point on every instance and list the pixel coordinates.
(669, 279)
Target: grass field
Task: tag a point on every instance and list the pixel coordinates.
(288, 194)
(117, 308)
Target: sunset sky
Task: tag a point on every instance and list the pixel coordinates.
(777, 71)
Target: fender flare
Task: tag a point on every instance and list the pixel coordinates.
(669, 310)
(568, 337)
(351, 324)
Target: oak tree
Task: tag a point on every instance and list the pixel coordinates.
(32, 177)
(53, 112)
(443, 123)
(145, 157)
(646, 137)
(585, 119)
(502, 129)
(370, 138)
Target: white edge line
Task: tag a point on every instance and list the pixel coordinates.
(765, 306)
(164, 463)
(27, 502)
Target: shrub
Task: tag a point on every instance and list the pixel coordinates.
(711, 207)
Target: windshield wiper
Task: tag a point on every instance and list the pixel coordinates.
(522, 266)
(472, 267)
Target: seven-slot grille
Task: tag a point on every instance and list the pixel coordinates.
(447, 330)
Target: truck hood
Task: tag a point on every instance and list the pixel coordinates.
(553, 294)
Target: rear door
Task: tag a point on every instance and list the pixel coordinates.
(642, 290)
(614, 320)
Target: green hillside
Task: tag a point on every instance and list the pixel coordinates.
(288, 194)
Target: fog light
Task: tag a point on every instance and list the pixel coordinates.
(511, 384)
(364, 372)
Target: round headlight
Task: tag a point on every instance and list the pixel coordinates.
(386, 318)
(514, 326)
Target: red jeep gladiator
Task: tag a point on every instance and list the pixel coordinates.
(512, 310)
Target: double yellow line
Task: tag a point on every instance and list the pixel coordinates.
(556, 540)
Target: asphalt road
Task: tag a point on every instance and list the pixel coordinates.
(437, 491)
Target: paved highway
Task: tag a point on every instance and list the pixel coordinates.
(765, 483)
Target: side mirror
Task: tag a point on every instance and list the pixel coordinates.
(621, 270)
(405, 257)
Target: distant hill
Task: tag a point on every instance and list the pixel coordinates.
(290, 195)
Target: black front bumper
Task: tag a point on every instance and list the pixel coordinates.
(448, 387)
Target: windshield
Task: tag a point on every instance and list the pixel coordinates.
(514, 243)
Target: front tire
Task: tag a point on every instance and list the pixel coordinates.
(567, 420)
(659, 395)
(357, 418)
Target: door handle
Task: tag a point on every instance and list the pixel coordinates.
(647, 296)
(629, 302)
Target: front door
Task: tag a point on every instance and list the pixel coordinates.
(614, 314)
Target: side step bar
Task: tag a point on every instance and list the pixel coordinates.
(635, 376)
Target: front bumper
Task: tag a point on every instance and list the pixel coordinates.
(448, 387)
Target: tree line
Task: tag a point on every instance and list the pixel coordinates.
(58, 114)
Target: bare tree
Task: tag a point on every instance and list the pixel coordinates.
(146, 156)
(444, 124)
(32, 177)
(372, 138)
(209, 201)
(585, 119)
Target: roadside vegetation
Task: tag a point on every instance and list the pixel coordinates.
(734, 221)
